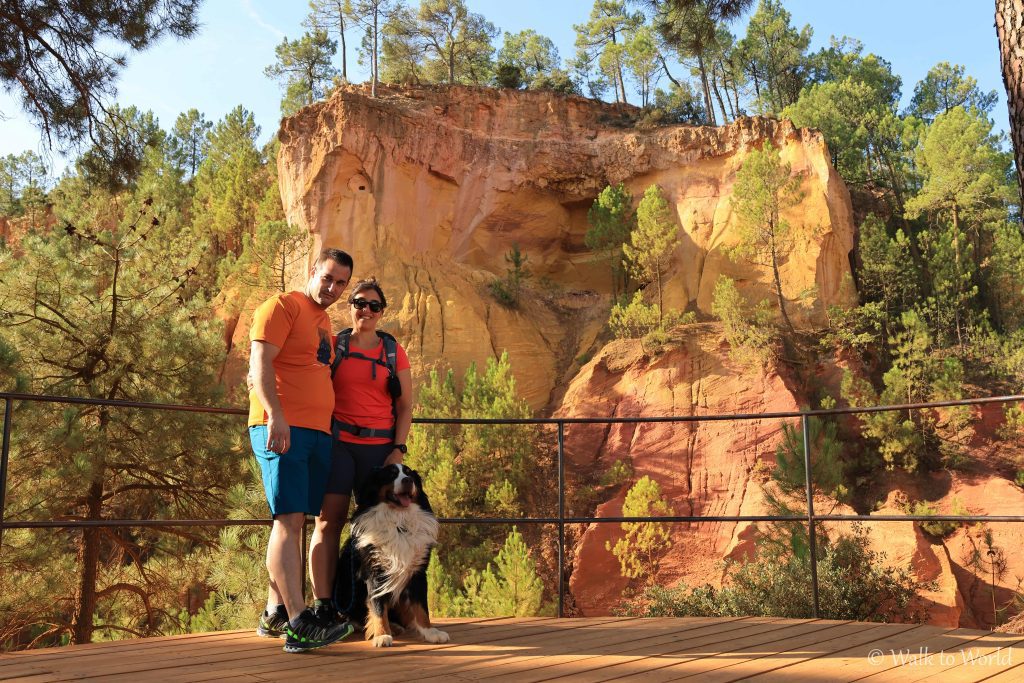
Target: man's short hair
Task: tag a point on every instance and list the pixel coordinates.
(337, 255)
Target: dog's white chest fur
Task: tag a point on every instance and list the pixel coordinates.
(401, 539)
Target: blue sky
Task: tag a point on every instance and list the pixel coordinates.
(223, 66)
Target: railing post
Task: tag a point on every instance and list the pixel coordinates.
(561, 519)
(4, 457)
(811, 535)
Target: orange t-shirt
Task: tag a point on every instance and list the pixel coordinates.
(302, 331)
(361, 400)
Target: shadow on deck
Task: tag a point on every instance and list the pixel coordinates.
(542, 649)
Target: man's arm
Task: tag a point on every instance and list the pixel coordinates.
(261, 368)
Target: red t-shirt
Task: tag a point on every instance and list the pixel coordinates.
(302, 331)
(361, 400)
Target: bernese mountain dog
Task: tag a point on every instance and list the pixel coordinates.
(382, 573)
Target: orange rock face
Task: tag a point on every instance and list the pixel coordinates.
(430, 188)
(705, 468)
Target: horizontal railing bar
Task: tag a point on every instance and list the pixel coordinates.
(548, 420)
(43, 398)
(78, 524)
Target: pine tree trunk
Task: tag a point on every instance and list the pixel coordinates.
(344, 58)
(376, 49)
(88, 560)
(721, 103)
(778, 286)
(707, 91)
(1010, 31)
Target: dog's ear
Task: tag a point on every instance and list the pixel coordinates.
(367, 494)
(421, 495)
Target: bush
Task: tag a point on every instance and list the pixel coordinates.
(634, 319)
(750, 333)
(852, 580)
(937, 529)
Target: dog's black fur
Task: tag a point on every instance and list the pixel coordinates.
(382, 572)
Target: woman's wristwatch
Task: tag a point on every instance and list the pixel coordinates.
(402, 447)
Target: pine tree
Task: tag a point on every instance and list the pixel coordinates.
(534, 55)
(373, 16)
(944, 87)
(642, 542)
(774, 55)
(109, 310)
(63, 60)
(611, 220)
(511, 589)
(334, 17)
(304, 69)
(230, 183)
(600, 46)
(652, 242)
(189, 141)
(458, 40)
(764, 189)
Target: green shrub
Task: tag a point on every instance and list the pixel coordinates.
(853, 583)
(634, 319)
(938, 529)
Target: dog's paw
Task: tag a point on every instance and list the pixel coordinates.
(383, 641)
(435, 635)
(397, 629)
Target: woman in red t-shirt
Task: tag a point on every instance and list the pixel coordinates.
(370, 429)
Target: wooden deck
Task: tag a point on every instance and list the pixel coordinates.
(542, 649)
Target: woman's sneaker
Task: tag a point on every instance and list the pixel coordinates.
(272, 625)
(311, 633)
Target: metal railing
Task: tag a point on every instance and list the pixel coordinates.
(810, 518)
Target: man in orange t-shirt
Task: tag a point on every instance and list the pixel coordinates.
(290, 408)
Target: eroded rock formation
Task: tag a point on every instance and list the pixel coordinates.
(430, 188)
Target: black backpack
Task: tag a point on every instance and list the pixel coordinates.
(387, 359)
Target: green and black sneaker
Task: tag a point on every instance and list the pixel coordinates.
(272, 625)
(311, 633)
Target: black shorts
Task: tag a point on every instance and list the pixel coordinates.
(351, 464)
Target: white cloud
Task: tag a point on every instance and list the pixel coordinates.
(259, 21)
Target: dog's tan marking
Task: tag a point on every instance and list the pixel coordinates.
(377, 628)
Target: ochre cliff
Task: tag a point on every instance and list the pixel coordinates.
(704, 468)
(430, 188)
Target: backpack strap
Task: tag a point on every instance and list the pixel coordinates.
(340, 348)
(390, 352)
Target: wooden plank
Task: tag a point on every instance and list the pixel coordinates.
(963, 660)
(111, 646)
(577, 660)
(648, 655)
(852, 660)
(158, 654)
(275, 664)
(544, 648)
(452, 661)
(1014, 674)
(532, 668)
(700, 660)
(656, 670)
(465, 660)
(528, 656)
(771, 657)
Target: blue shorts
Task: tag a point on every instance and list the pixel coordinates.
(295, 481)
(351, 464)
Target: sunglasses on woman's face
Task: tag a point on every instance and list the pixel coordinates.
(375, 306)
